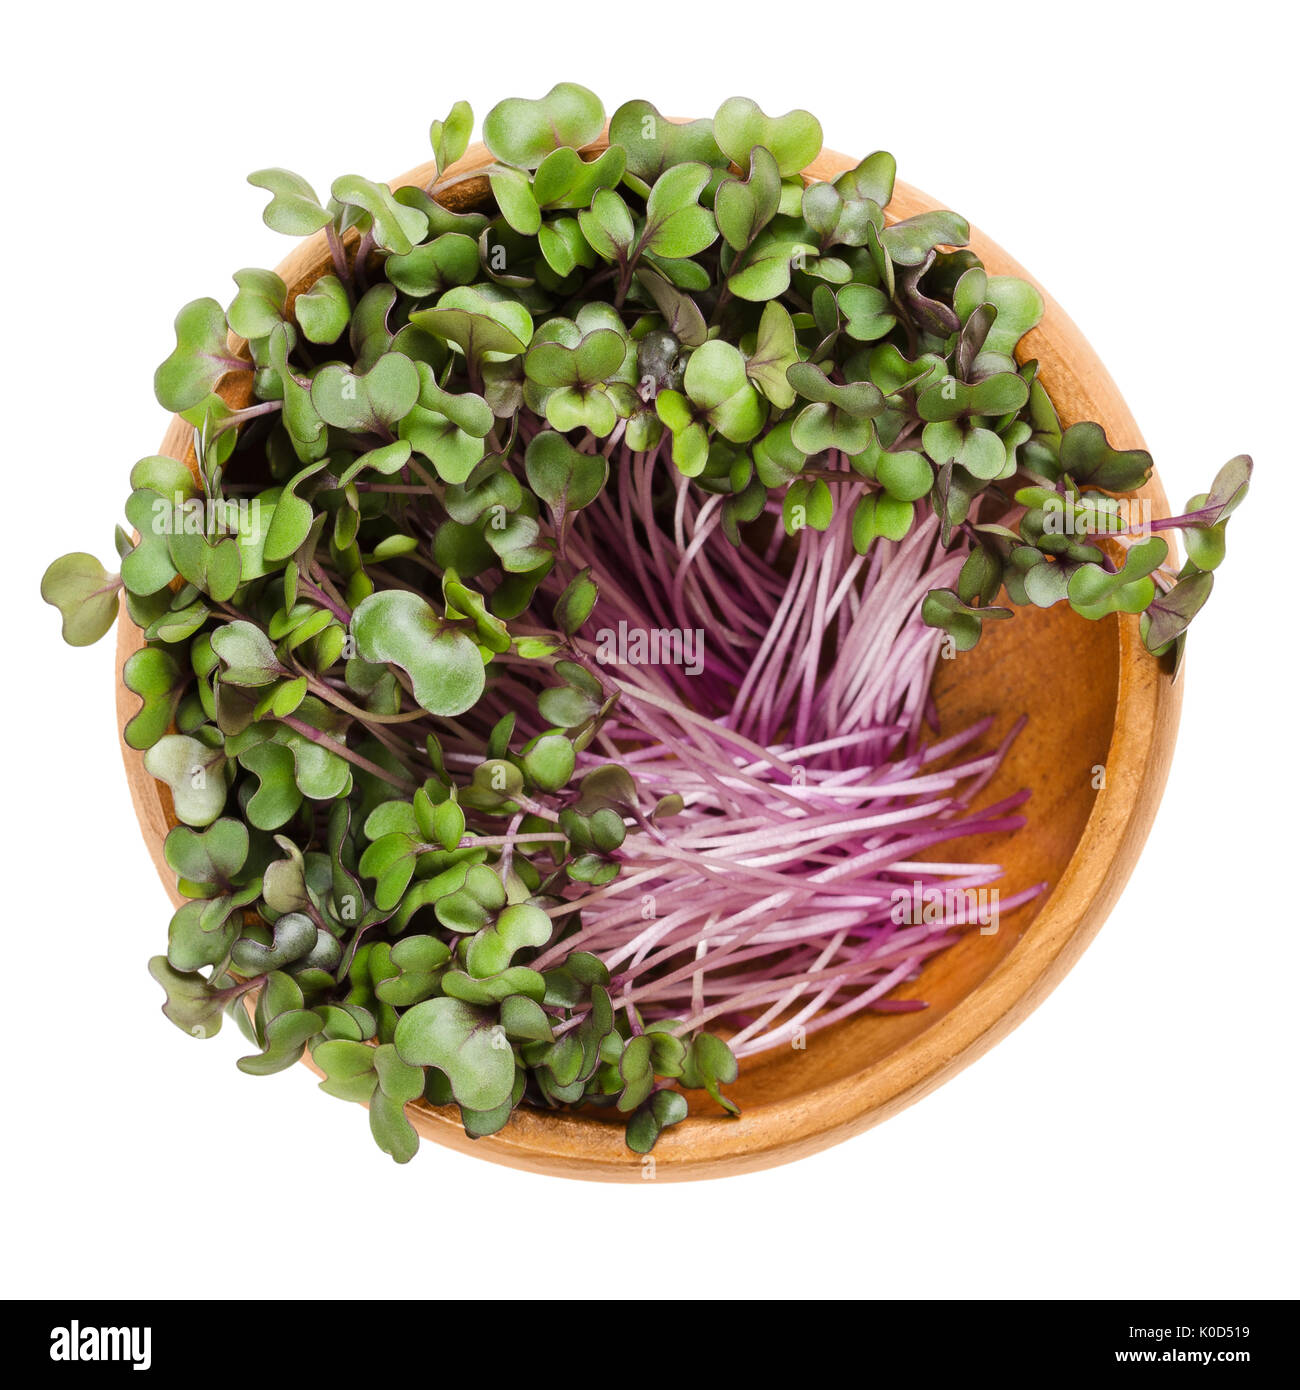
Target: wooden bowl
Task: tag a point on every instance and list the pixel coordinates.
(1096, 700)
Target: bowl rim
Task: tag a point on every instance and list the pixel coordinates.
(1137, 761)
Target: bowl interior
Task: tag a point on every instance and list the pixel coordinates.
(1063, 672)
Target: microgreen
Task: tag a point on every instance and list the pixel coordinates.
(549, 728)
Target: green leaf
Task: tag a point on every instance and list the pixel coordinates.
(390, 861)
(284, 883)
(775, 351)
(950, 399)
(349, 1067)
(715, 372)
(776, 459)
(664, 1108)
(395, 227)
(463, 602)
(910, 241)
(807, 503)
(838, 417)
(84, 593)
(439, 265)
(305, 427)
(292, 936)
(676, 226)
(563, 478)
(594, 358)
(1086, 456)
(709, 1064)
(391, 1130)
(607, 226)
(943, 609)
(153, 675)
(448, 824)
(525, 1019)
(282, 1026)
(201, 357)
(443, 663)
(893, 517)
(1019, 308)
(576, 601)
(246, 653)
(492, 989)
(1228, 491)
(419, 960)
(867, 312)
(259, 305)
(636, 1071)
(277, 796)
(981, 452)
(372, 401)
(195, 774)
(906, 475)
(564, 247)
(450, 137)
(477, 325)
(655, 144)
(210, 857)
(840, 220)
(323, 311)
(765, 272)
(744, 207)
(491, 950)
(565, 180)
(870, 181)
(192, 1004)
(513, 191)
(980, 577)
(446, 428)
(682, 317)
(523, 132)
(794, 139)
(1094, 592)
(549, 763)
(294, 208)
(465, 1044)
(566, 707)
(1169, 616)
(291, 518)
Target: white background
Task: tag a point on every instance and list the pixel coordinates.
(1137, 1136)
